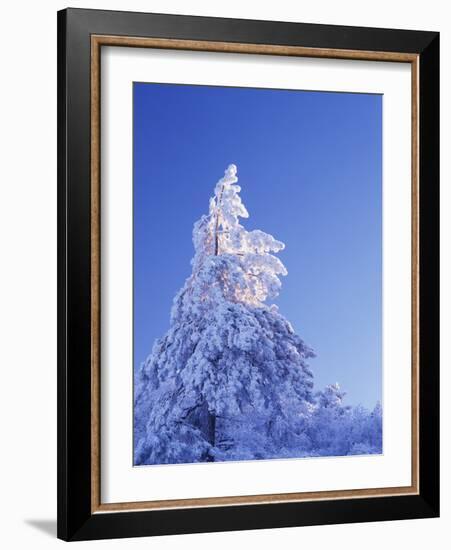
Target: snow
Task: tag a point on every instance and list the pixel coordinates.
(230, 380)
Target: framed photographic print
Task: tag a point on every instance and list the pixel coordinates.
(248, 274)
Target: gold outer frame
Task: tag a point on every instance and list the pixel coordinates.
(97, 41)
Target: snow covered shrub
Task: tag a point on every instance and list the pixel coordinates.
(336, 429)
(230, 379)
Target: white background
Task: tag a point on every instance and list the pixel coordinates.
(119, 481)
(28, 273)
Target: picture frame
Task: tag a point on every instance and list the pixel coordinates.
(81, 36)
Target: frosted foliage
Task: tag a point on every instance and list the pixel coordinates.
(238, 261)
(230, 379)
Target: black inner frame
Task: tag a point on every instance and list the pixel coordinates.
(75, 520)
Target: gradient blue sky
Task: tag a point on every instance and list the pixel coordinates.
(310, 168)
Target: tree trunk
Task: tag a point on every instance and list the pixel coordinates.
(217, 222)
(202, 419)
(211, 428)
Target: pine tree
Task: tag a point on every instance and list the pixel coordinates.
(229, 380)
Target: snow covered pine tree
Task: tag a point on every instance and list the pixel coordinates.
(229, 380)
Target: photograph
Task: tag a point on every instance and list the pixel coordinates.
(248, 272)
(257, 274)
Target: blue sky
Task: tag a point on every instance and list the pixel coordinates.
(310, 168)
